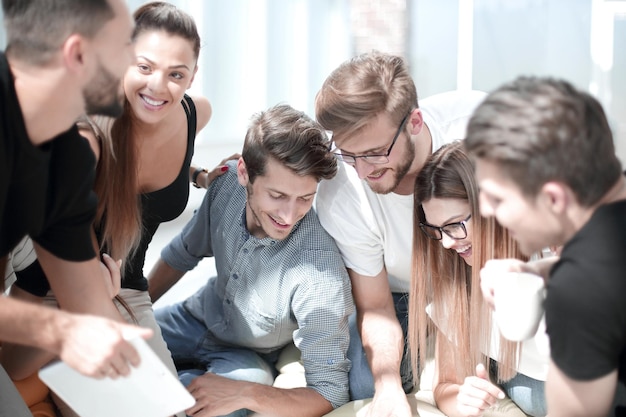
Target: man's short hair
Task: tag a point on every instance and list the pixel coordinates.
(36, 29)
(291, 138)
(362, 88)
(543, 129)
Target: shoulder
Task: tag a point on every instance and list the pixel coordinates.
(93, 140)
(73, 147)
(447, 114)
(226, 186)
(204, 110)
(454, 98)
(344, 190)
(587, 281)
(311, 237)
(451, 105)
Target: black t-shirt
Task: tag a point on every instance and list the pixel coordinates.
(161, 206)
(23, 170)
(586, 299)
(70, 209)
(156, 207)
(46, 192)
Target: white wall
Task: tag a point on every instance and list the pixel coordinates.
(256, 53)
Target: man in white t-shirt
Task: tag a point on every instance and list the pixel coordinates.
(370, 105)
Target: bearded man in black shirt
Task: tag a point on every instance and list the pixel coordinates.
(63, 58)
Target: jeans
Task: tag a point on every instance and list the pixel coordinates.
(527, 393)
(360, 376)
(185, 338)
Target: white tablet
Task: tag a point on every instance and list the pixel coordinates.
(150, 390)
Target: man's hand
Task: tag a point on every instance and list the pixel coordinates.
(96, 346)
(389, 404)
(477, 394)
(215, 395)
(493, 270)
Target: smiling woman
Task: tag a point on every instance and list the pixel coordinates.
(144, 155)
(143, 174)
(446, 301)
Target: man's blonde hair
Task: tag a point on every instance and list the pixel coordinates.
(362, 88)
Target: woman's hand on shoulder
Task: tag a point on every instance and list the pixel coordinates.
(205, 178)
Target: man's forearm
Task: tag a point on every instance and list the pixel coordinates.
(161, 278)
(29, 324)
(217, 395)
(18, 360)
(79, 286)
(571, 398)
(279, 402)
(383, 343)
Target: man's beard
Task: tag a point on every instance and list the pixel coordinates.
(400, 171)
(102, 95)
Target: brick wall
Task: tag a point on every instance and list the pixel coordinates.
(380, 25)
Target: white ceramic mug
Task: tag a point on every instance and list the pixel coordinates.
(518, 303)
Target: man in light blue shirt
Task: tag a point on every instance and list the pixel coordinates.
(280, 279)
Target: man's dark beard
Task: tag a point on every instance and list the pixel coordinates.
(102, 95)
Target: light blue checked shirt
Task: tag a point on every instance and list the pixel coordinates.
(269, 292)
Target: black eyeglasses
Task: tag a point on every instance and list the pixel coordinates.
(456, 230)
(371, 158)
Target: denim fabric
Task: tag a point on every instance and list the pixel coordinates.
(527, 393)
(193, 356)
(360, 376)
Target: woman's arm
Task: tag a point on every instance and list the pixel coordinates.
(469, 399)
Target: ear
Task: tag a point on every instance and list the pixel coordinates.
(416, 121)
(555, 196)
(242, 173)
(73, 51)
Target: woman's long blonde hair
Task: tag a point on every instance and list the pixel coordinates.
(441, 278)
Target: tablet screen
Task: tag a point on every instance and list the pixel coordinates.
(149, 390)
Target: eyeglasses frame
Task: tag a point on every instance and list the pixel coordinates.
(462, 223)
(342, 157)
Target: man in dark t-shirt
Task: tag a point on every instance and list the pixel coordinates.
(547, 169)
(63, 57)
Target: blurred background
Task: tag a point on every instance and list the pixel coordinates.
(256, 53)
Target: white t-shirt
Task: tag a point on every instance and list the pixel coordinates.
(376, 230)
(534, 356)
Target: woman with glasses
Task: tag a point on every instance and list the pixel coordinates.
(446, 302)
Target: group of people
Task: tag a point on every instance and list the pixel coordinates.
(411, 202)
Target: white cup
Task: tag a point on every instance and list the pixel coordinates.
(518, 303)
